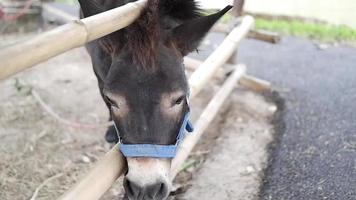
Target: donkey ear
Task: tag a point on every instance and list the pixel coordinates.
(187, 37)
(91, 7)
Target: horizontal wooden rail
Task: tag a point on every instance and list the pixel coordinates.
(100, 178)
(250, 82)
(220, 56)
(112, 165)
(23, 55)
(266, 36)
(205, 119)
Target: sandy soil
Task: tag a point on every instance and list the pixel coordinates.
(234, 169)
(35, 147)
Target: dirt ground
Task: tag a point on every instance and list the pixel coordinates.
(234, 169)
(36, 149)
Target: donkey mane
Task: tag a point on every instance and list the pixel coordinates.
(144, 34)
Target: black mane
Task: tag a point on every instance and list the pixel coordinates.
(144, 35)
(180, 9)
(155, 20)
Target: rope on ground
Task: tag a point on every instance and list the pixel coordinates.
(44, 183)
(52, 113)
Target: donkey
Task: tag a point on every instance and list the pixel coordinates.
(142, 80)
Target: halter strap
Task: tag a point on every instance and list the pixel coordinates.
(154, 150)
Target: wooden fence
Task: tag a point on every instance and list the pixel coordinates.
(111, 167)
(16, 58)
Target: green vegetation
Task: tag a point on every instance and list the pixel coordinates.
(317, 31)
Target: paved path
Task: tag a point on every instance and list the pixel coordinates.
(317, 152)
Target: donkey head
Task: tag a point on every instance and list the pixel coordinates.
(145, 85)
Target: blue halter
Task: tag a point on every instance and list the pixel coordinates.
(154, 150)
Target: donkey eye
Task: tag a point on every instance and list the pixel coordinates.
(111, 102)
(179, 100)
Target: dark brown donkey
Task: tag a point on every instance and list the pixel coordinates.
(143, 83)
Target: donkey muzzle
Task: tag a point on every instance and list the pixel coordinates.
(147, 178)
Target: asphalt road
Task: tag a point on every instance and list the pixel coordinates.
(316, 154)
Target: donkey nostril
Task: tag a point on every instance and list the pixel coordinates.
(157, 191)
(132, 190)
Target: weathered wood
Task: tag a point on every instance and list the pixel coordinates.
(100, 178)
(250, 82)
(205, 119)
(238, 7)
(227, 27)
(220, 56)
(266, 36)
(255, 84)
(21, 56)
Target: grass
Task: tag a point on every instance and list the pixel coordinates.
(323, 32)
